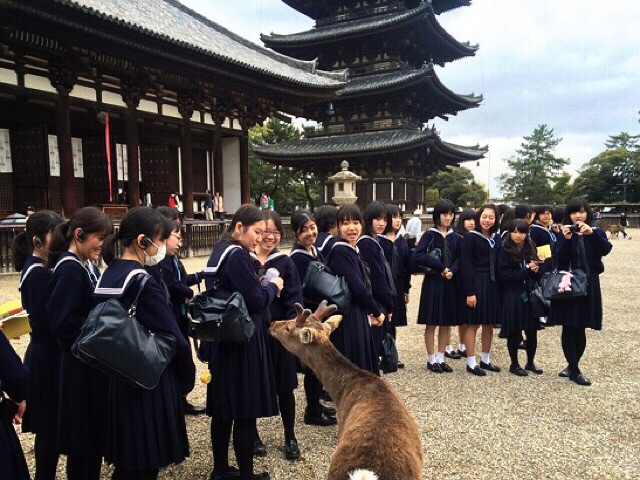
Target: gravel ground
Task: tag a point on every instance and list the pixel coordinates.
(497, 427)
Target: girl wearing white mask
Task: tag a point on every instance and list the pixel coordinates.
(146, 428)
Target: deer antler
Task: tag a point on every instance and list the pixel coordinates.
(302, 316)
(324, 310)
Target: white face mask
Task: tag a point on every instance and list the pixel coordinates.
(151, 260)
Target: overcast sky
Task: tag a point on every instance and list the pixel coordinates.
(571, 64)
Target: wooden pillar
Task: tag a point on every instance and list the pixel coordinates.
(218, 172)
(133, 89)
(63, 78)
(186, 105)
(245, 193)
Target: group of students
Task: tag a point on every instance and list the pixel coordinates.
(477, 280)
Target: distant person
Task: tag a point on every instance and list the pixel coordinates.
(122, 197)
(30, 210)
(218, 206)
(208, 205)
(598, 217)
(414, 228)
(623, 223)
(264, 201)
(272, 204)
(174, 200)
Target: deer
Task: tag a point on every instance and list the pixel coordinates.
(377, 437)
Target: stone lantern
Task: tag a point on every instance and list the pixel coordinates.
(344, 185)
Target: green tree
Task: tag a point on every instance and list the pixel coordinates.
(535, 169)
(613, 173)
(458, 185)
(289, 187)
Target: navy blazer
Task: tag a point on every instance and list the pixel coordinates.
(514, 273)
(434, 239)
(596, 246)
(283, 307)
(70, 298)
(475, 257)
(344, 260)
(34, 293)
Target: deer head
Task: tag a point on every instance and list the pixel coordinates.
(307, 328)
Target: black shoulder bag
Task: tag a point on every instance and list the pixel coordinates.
(320, 284)
(114, 342)
(434, 253)
(567, 285)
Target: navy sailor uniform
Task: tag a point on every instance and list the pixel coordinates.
(515, 278)
(324, 242)
(398, 255)
(542, 236)
(146, 428)
(438, 299)
(242, 383)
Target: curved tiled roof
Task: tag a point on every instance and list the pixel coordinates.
(424, 78)
(307, 150)
(172, 22)
(339, 32)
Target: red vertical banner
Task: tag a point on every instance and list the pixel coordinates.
(107, 142)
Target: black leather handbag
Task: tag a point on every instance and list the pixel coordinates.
(220, 316)
(539, 304)
(389, 363)
(114, 342)
(320, 284)
(436, 254)
(551, 281)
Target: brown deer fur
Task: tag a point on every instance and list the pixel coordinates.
(375, 430)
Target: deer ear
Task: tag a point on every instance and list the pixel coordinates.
(331, 323)
(307, 336)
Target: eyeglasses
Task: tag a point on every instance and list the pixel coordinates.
(175, 235)
(275, 233)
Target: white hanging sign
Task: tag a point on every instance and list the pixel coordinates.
(5, 152)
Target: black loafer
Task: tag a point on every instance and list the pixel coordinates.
(462, 353)
(489, 366)
(434, 367)
(452, 354)
(532, 367)
(328, 411)
(228, 474)
(566, 373)
(518, 370)
(259, 449)
(400, 365)
(321, 420)
(476, 371)
(190, 409)
(580, 379)
(445, 368)
(291, 450)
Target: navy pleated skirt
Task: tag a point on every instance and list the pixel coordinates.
(438, 302)
(487, 311)
(581, 312)
(353, 338)
(399, 318)
(285, 366)
(146, 428)
(43, 361)
(516, 315)
(82, 408)
(243, 385)
(12, 463)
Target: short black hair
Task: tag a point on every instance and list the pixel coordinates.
(487, 206)
(522, 211)
(376, 210)
(443, 205)
(349, 212)
(575, 205)
(326, 217)
(466, 214)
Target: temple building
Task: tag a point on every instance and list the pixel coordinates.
(377, 122)
(127, 101)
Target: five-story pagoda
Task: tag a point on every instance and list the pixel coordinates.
(378, 120)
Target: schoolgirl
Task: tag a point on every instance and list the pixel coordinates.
(42, 358)
(146, 428)
(377, 221)
(75, 246)
(177, 281)
(243, 386)
(542, 235)
(14, 382)
(303, 252)
(398, 255)
(283, 308)
(353, 337)
(589, 243)
(438, 295)
(517, 268)
(480, 283)
(466, 223)
(326, 222)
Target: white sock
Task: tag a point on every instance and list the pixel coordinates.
(448, 348)
(440, 357)
(543, 319)
(431, 359)
(484, 358)
(462, 347)
(471, 361)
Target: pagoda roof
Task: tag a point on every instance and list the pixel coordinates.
(318, 9)
(364, 144)
(172, 22)
(448, 47)
(424, 78)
